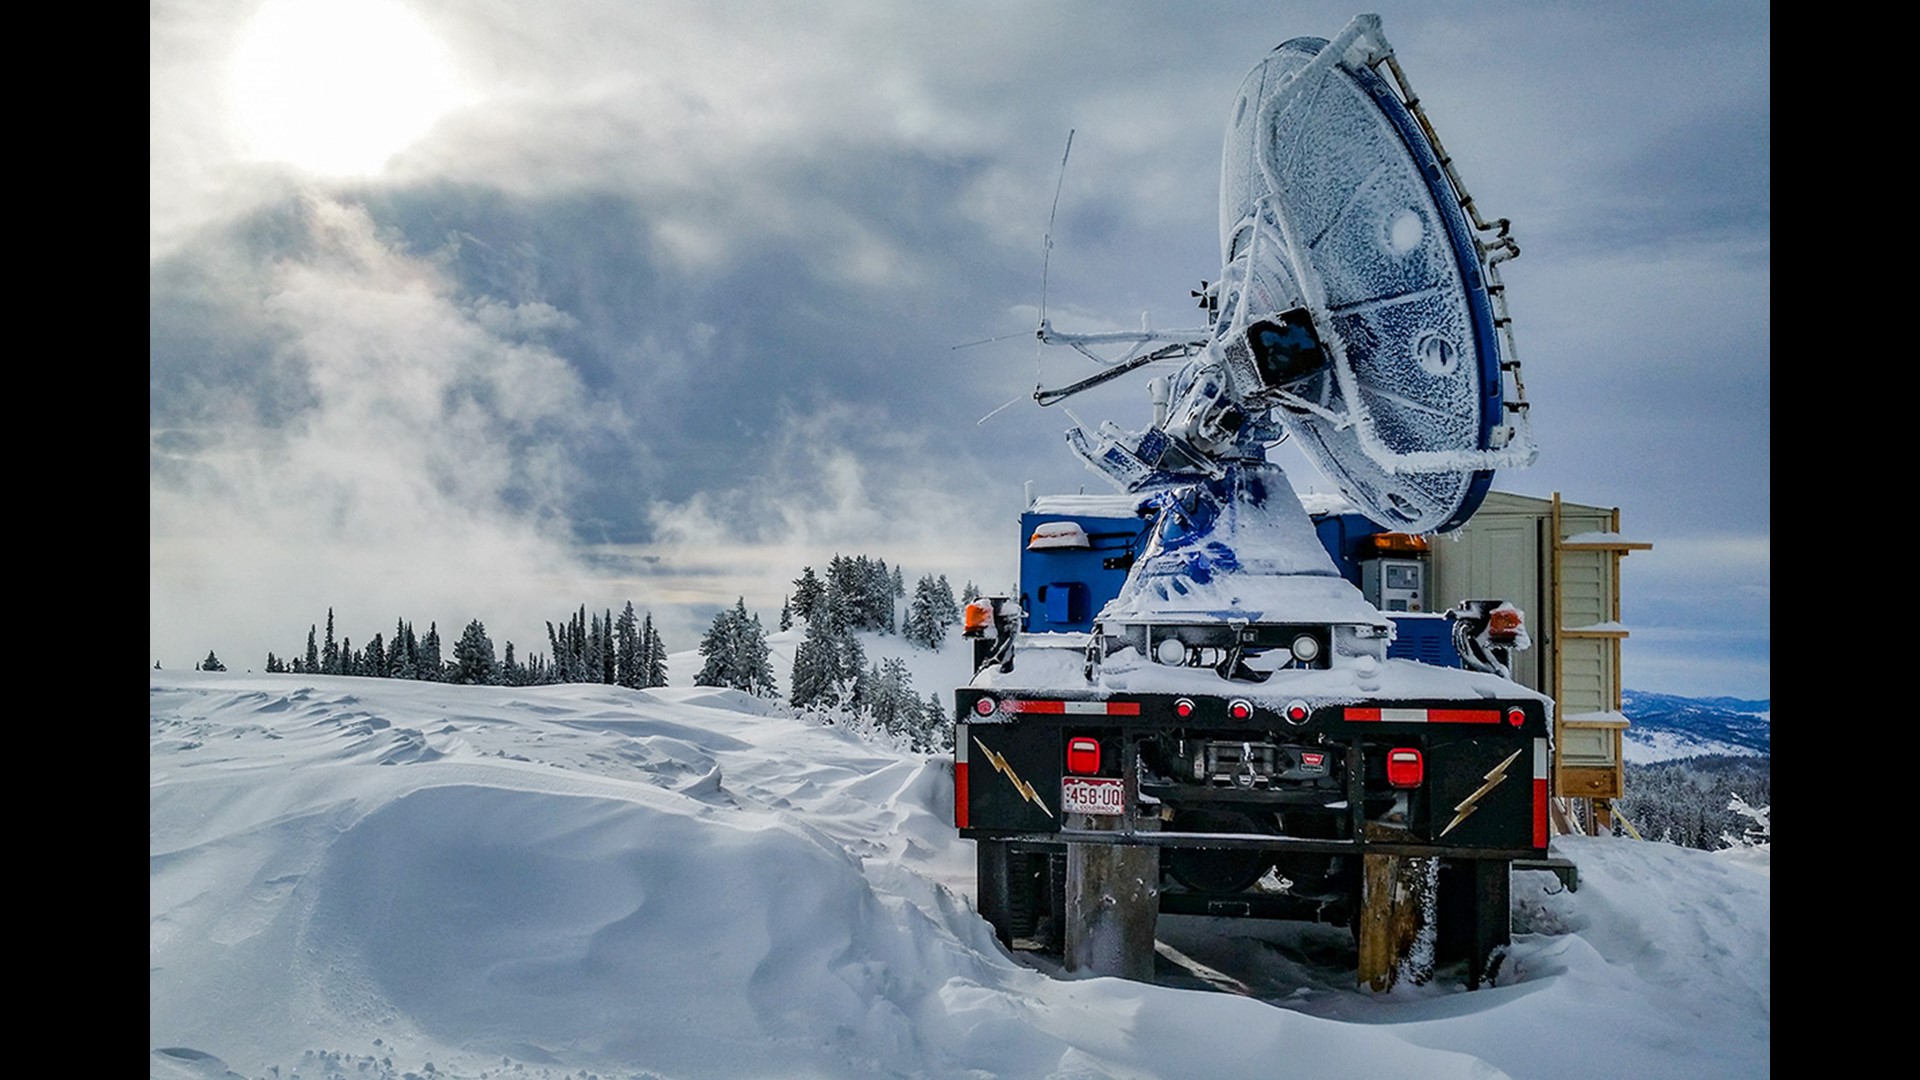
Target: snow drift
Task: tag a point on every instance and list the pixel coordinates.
(365, 878)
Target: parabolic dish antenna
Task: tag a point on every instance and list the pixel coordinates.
(1334, 201)
(1358, 305)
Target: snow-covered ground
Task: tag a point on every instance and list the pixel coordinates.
(369, 878)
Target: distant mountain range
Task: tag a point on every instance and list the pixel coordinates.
(1666, 726)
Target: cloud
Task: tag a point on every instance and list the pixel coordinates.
(691, 271)
(424, 472)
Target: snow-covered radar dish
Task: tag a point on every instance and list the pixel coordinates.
(1358, 306)
(1334, 202)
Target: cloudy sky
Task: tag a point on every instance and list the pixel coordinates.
(491, 310)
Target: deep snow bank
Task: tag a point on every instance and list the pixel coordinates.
(361, 878)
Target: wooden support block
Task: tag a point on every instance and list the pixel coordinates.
(1113, 904)
(1397, 898)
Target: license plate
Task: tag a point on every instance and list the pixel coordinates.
(1093, 795)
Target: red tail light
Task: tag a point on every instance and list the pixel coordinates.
(1183, 708)
(1405, 767)
(1083, 756)
(1240, 709)
(984, 706)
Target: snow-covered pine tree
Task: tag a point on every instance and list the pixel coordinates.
(429, 668)
(655, 664)
(938, 727)
(313, 652)
(808, 594)
(755, 674)
(786, 614)
(609, 664)
(559, 642)
(211, 663)
(594, 654)
(473, 656)
(330, 651)
(376, 658)
(924, 625)
(399, 664)
(949, 607)
(626, 634)
(720, 649)
(828, 668)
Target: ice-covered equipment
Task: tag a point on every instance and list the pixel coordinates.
(1358, 307)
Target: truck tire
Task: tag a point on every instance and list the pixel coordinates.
(1021, 893)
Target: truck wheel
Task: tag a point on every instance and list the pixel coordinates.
(993, 898)
(1021, 893)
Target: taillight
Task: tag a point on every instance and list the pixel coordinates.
(1183, 708)
(1404, 767)
(1083, 756)
(1516, 716)
(1240, 709)
(1296, 712)
(984, 706)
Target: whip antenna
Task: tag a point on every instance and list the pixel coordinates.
(1046, 257)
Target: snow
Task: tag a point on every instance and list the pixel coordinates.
(1609, 539)
(370, 878)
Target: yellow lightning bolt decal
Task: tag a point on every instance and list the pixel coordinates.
(1000, 765)
(1466, 806)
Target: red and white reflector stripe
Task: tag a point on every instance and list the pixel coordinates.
(960, 814)
(1073, 708)
(1424, 716)
(1540, 767)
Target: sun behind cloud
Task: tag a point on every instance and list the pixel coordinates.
(337, 87)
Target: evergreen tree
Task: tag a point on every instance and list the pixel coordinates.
(720, 651)
(938, 727)
(736, 653)
(627, 649)
(609, 664)
(890, 698)
(313, 652)
(808, 594)
(429, 668)
(402, 658)
(756, 660)
(816, 668)
(473, 662)
(931, 613)
(949, 607)
(559, 646)
(829, 667)
(330, 652)
(969, 594)
(211, 663)
(654, 666)
(511, 673)
(376, 658)
(274, 666)
(786, 614)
